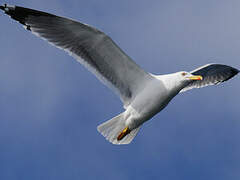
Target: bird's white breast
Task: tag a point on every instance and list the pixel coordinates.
(148, 102)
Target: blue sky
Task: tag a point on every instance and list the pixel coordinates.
(50, 105)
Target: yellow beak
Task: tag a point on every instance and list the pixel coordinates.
(199, 78)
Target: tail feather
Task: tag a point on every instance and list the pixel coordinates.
(113, 127)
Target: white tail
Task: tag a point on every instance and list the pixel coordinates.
(113, 127)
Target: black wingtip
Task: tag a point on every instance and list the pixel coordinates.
(2, 8)
(20, 14)
(235, 71)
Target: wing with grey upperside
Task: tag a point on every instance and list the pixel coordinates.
(91, 47)
(212, 74)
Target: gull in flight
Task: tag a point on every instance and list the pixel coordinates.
(143, 94)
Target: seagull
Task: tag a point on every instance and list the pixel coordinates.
(143, 94)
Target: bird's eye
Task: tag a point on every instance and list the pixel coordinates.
(184, 74)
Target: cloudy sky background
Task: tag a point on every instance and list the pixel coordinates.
(50, 105)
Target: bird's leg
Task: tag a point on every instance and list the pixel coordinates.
(124, 132)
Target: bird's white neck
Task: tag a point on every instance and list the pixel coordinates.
(171, 82)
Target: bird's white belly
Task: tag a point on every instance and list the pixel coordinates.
(148, 103)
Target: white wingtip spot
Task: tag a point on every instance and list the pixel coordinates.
(8, 7)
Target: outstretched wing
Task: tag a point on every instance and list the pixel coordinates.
(212, 74)
(91, 47)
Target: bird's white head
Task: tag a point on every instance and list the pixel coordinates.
(186, 76)
(183, 78)
(179, 80)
